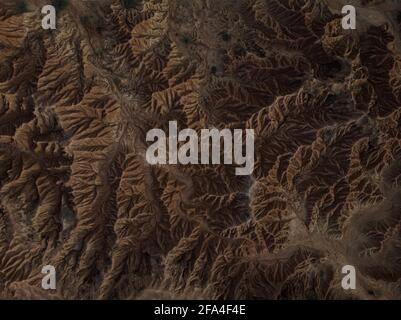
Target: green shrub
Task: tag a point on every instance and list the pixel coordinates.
(84, 20)
(129, 4)
(60, 4)
(21, 6)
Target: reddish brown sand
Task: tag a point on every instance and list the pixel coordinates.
(77, 193)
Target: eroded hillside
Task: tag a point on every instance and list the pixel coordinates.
(77, 193)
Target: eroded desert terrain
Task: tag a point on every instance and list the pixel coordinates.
(76, 192)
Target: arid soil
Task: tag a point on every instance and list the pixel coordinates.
(77, 193)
